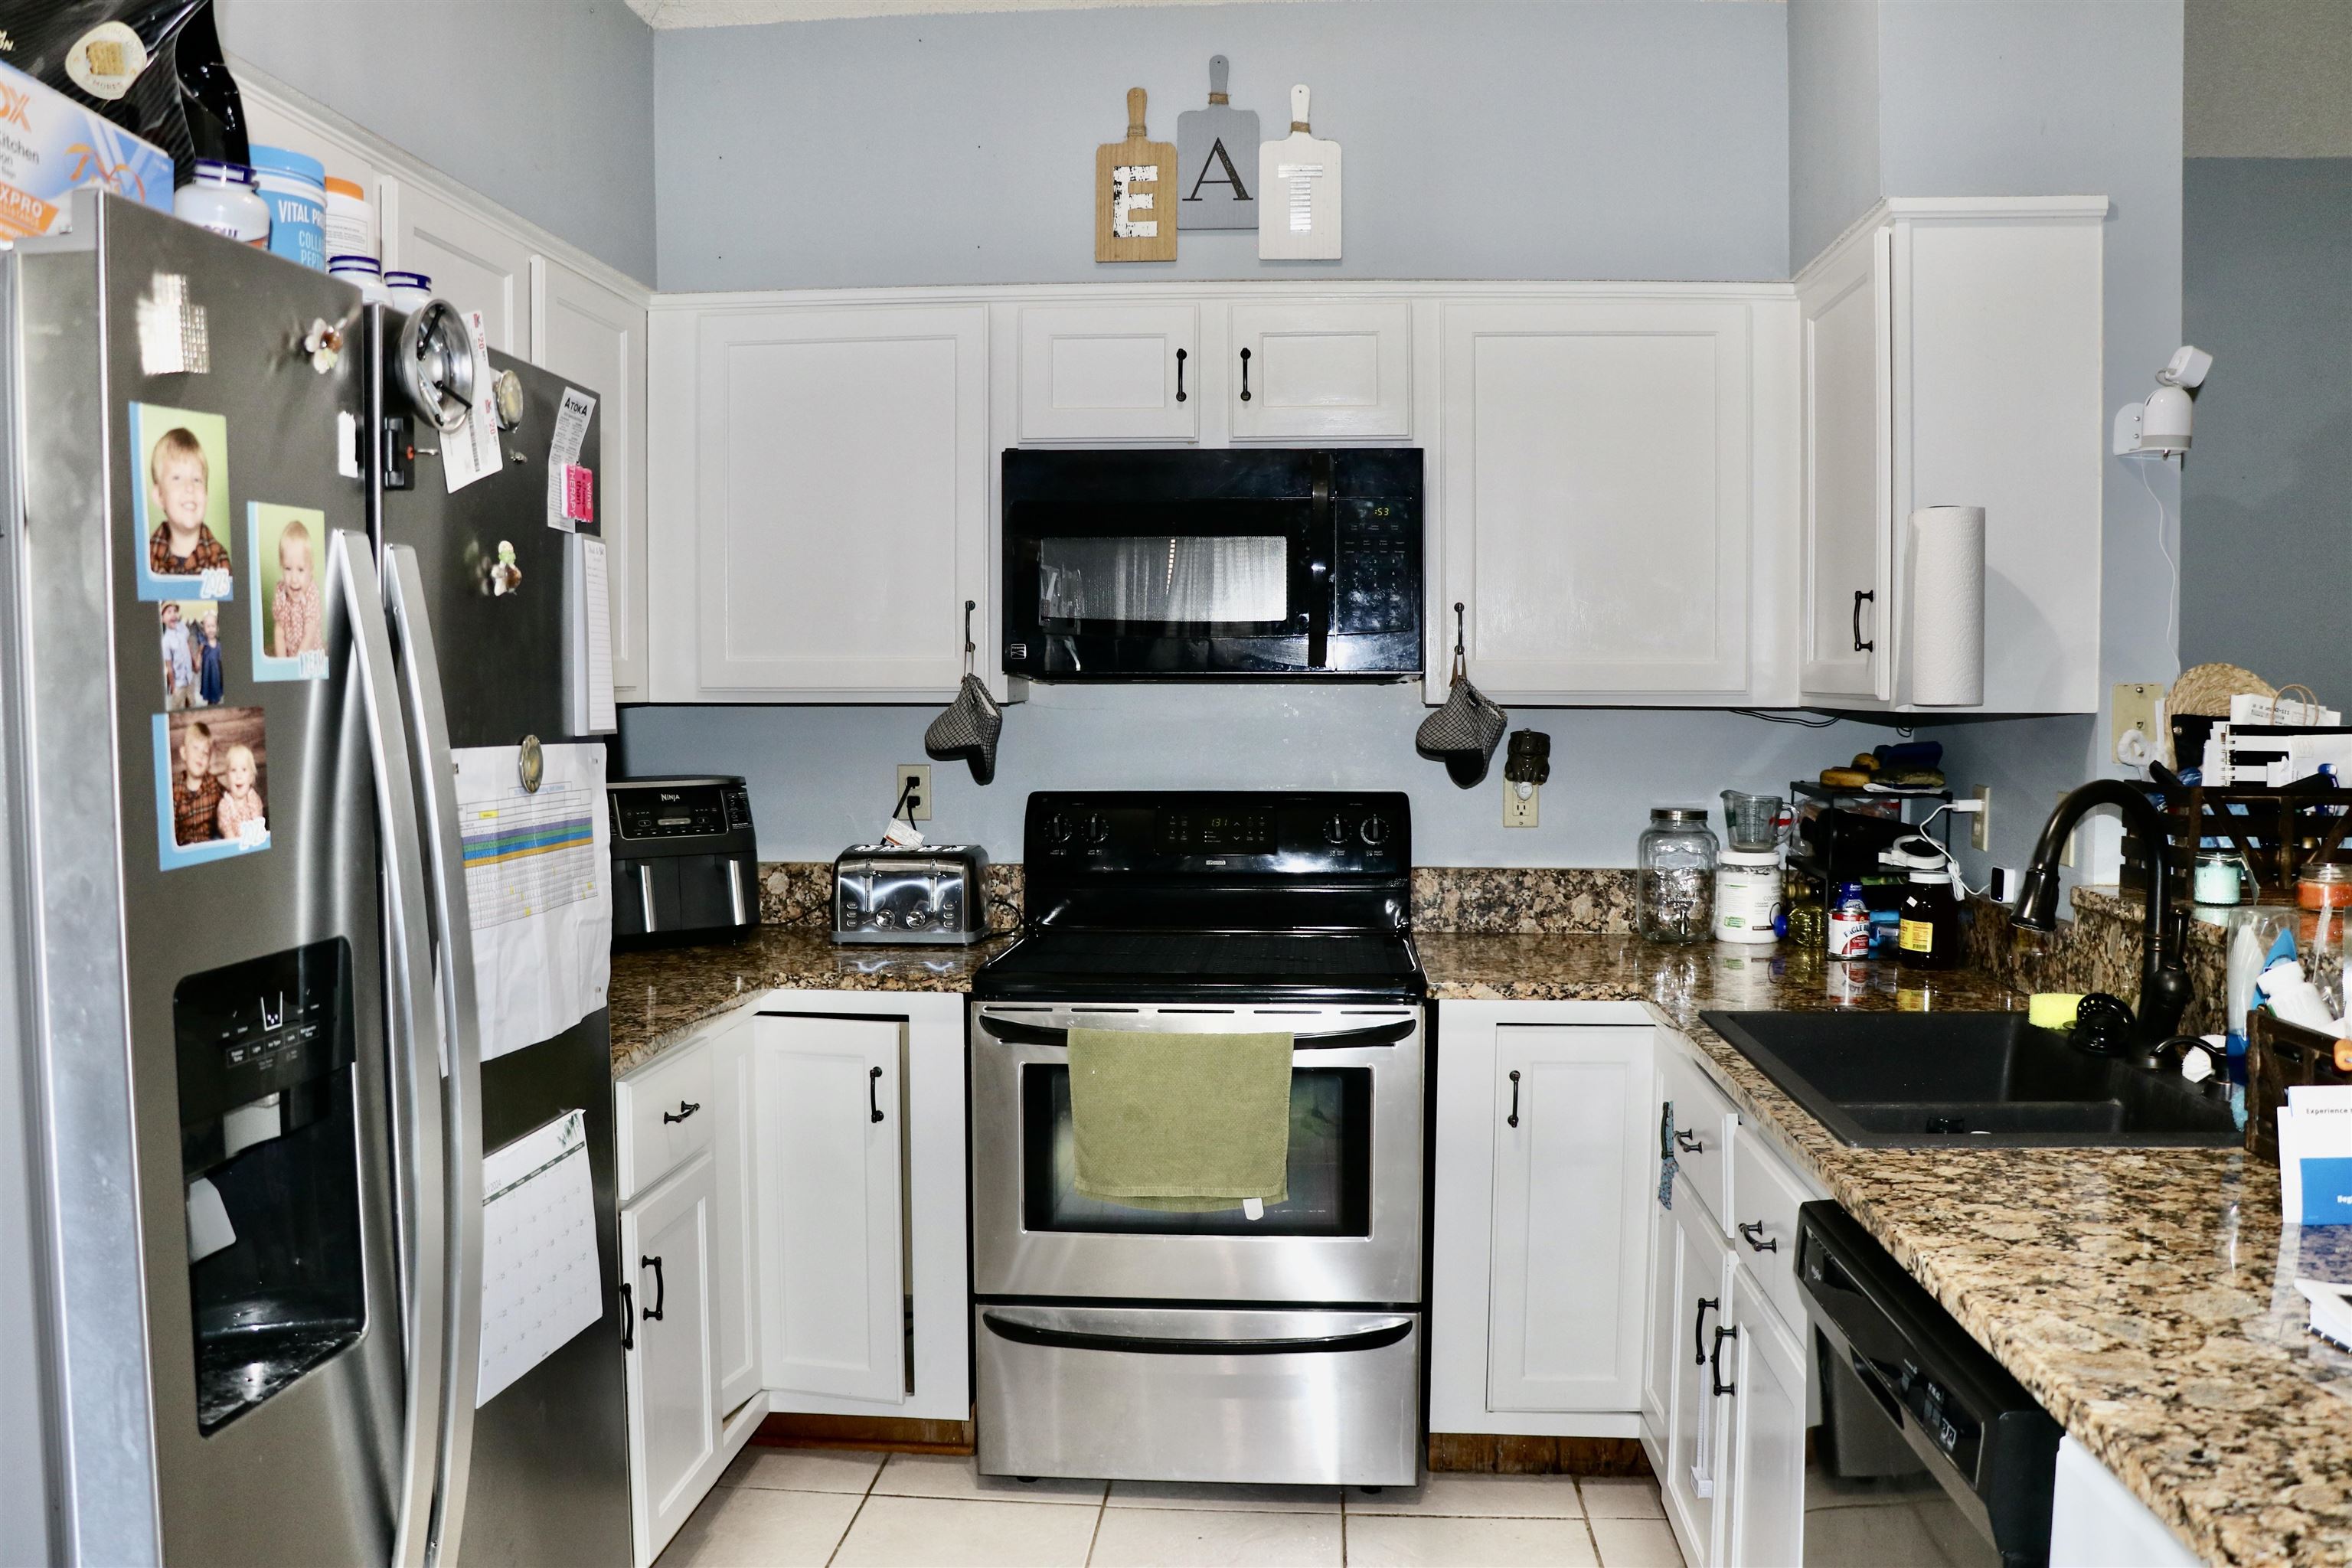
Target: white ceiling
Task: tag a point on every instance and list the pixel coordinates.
(751, 13)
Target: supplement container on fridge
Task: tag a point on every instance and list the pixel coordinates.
(223, 198)
(295, 187)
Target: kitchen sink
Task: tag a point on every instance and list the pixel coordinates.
(1930, 1080)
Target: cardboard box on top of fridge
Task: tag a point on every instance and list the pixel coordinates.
(50, 145)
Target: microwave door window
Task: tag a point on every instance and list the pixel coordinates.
(1207, 585)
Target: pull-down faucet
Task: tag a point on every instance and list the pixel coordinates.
(2163, 990)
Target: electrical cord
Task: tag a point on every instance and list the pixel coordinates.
(1785, 719)
(2172, 567)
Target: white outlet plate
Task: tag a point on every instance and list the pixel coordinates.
(1517, 813)
(1980, 824)
(922, 804)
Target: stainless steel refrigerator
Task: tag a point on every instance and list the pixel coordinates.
(241, 1160)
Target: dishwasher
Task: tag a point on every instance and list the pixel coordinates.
(1929, 1450)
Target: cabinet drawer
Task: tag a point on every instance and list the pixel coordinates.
(1703, 1123)
(665, 1117)
(1766, 1195)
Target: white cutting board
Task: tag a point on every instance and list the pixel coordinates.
(1298, 193)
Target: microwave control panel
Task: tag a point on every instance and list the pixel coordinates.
(1379, 568)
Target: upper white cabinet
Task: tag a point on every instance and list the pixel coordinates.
(1110, 373)
(1606, 499)
(594, 336)
(838, 501)
(475, 263)
(1536, 1282)
(1320, 370)
(1952, 356)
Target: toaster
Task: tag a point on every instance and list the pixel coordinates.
(685, 861)
(937, 893)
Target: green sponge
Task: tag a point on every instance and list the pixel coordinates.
(2053, 1009)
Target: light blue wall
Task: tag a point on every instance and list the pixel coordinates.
(545, 106)
(2266, 493)
(2053, 98)
(1832, 121)
(822, 778)
(1637, 139)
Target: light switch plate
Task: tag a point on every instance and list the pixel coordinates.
(2136, 705)
(919, 808)
(1517, 813)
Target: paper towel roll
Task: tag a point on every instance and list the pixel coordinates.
(1947, 567)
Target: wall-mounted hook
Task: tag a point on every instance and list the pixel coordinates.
(970, 647)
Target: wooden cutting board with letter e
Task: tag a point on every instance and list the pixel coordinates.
(1135, 194)
(1298, 193)
(1216, 160)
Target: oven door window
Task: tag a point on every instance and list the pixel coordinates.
(1330, 1165)
(1232, 585)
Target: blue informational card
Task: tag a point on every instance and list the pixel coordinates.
(2326, 1190)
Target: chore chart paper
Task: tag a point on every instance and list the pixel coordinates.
(539, 1251)
(538, 870)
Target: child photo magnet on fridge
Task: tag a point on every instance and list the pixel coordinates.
(212, 785)
(190, 647)
(179, 502)
(283, 547)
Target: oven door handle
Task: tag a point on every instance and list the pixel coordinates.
(1013, 1034)
(1377, 1337)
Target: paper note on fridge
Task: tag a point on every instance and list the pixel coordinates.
(540, 1284)
(571, 417)
(537, 889)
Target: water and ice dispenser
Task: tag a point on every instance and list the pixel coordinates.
(269, 1151)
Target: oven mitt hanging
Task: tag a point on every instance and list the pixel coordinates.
(1464, 734)
(967, 731)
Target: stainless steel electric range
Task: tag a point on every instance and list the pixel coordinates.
(1143, 1344)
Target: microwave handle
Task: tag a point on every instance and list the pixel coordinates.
(1322, 558)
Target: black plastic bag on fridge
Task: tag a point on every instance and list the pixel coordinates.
(153, 67)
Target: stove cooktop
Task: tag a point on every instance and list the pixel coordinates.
(1164, 965)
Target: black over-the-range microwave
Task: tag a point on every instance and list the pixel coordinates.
(1213, 564)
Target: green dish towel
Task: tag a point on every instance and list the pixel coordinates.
(1180, 1120)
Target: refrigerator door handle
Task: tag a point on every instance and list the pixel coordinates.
(414, 1069)
(453, 930)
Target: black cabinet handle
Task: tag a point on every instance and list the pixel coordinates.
(1715, 1364)
(1859, 595)
(1245, 375)
(686, 1107)
(1515, 1097)
(1180, 376)
(661, 1288)
(874, 1091)
(1698, 1329)
(1689, 1143)
(1753, 1234)
(628, 1319)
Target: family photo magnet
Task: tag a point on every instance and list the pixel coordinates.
(179, 502)
(212, 785)
(284, 548)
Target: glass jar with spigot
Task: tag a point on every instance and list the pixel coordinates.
(1677, 858)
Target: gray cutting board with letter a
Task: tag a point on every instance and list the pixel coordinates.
(1216, 161)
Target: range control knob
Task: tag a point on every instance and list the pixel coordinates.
(1335, 829)
(1097, 830)
(1057, 829)
(1375, 831)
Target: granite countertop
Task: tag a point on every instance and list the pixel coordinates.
(658, 992)
(2145, 1297)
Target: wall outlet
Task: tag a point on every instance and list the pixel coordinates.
(2136, 706)
(1980, 826)
(1518, 812)
(919, 805)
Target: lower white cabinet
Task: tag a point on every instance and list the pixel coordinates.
(1537, 1278)
(1759, 1368)
(735, 1272)
(1688, 1453)
(674, 1417)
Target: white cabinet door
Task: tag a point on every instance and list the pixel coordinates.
(1658, 1349)
(475, 263)
(1596, 498)
(1565, 1331)
(1763, 1472)
(735, 1246)
(841, 500)
(1327, 368)
(1703, 1287)
(1110, 373)
(1848, 542)
(595, 339)
(832, 1231)
(673, 1411)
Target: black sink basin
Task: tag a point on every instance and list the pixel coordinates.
(1935, 1079)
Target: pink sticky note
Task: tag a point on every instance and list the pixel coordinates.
(579, 493)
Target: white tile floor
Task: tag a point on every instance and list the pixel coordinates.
(786, 1508)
